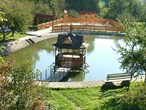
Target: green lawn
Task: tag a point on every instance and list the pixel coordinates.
(9, 37)
(85, 98)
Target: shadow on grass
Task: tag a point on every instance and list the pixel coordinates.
(111, 85)
(110, 104)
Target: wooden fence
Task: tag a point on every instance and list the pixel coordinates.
(82, 23)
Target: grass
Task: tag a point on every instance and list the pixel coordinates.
(86, 98)
(10, 37)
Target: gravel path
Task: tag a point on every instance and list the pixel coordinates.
(82, 84)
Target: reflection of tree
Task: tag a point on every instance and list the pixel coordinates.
(47, 44)
(90, 40)
(31, 53)
(28, 53)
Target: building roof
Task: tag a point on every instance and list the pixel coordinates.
(69, 41)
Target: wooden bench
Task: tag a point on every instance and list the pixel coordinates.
(124, 78)
(119, 77)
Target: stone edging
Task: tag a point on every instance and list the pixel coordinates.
(82, 84)
(20, 43)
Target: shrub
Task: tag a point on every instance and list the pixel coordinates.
(134, 100)
(17, 88)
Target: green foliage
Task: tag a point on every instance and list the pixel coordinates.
(73, 13)
(19, 14)
(87, 98)
(2, 19)
(94, 99)
(42, 8)
(134, 100)
(10, 37)
(116, 9)
(83, 5)
(133, 57)
(18, 90)
(1, 58)
(56, 7)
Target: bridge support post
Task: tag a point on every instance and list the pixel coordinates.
(52, 25)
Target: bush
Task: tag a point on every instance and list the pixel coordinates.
(73, 13)
(135, 99)
(17, 88)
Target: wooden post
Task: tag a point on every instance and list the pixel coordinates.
(52, 25)
(61, 27)
(71, 27)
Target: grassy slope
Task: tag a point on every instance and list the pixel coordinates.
(9, 37)
(85, 98)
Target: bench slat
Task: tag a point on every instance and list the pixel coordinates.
(119, 76)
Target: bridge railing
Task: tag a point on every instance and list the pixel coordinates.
(48, 24)
(83, 28)
(92, 24)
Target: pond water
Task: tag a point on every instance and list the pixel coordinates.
(100, 57)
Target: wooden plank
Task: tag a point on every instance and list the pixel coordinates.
(120, 76)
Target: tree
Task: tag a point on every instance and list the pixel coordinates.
(18, 89)
(133, 53)
(41, 8)
(83, 5)
(56, 7)
(143, 13)
(133, 7)
(19, 16)
(2, 19)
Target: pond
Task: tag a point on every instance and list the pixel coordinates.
(100, 57)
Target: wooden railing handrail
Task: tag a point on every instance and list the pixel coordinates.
(108, 24)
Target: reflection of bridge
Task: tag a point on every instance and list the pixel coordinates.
(86, 22)
(59, 74)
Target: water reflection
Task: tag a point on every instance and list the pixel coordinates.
(74, 76)
(101, 57)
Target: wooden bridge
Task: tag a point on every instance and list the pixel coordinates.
(85, 22)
